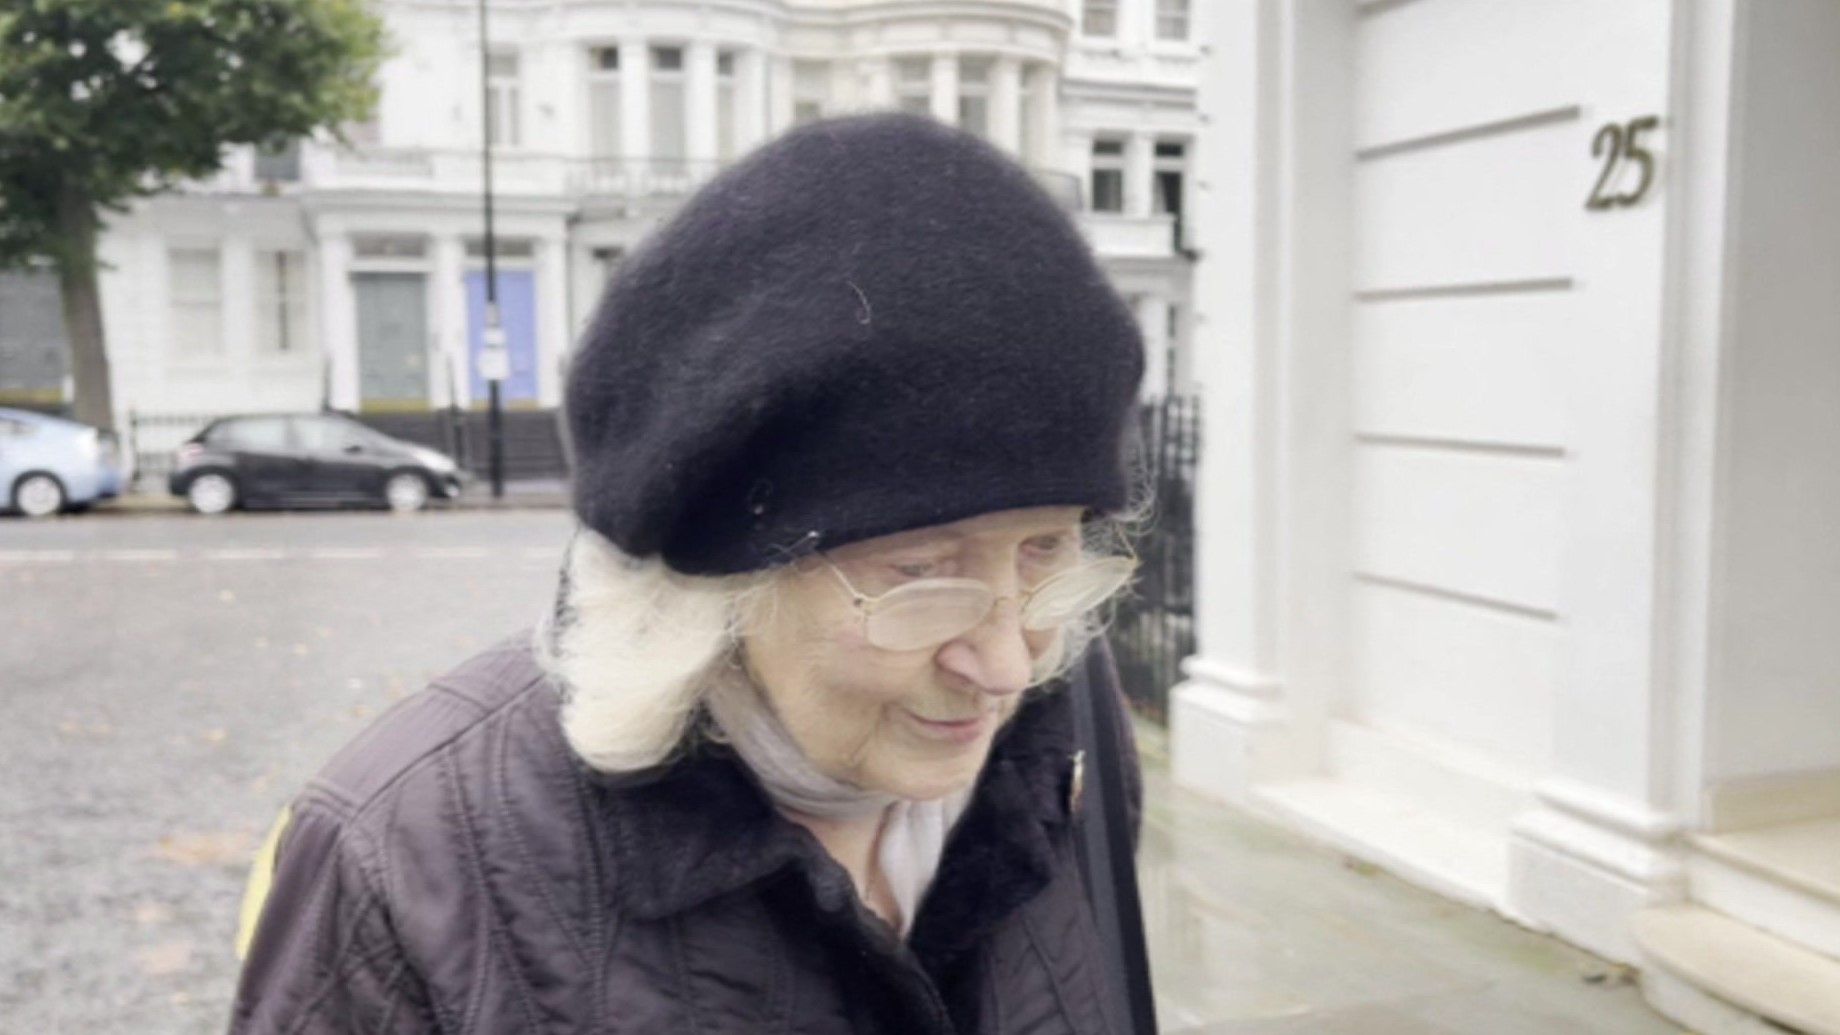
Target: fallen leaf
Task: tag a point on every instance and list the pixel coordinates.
(222, 848)
(149, 913)
(165, 958)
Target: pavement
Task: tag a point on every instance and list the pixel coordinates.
(169, 682)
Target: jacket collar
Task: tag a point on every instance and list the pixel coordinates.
(703, 827)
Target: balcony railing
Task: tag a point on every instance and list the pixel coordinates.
(639, 177)
(527, 172)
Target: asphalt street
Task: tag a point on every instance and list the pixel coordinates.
(166, 683)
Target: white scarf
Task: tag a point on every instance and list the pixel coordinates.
(913, 833)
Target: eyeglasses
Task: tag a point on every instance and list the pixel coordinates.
(928, 612)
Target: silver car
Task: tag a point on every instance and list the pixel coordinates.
(49, 465)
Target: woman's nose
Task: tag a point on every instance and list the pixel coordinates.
(993, 657)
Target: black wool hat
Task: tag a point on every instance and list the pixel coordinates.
(870, 324)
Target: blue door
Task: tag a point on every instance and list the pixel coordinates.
(517, 308)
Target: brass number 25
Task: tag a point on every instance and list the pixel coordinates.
(1622, 143)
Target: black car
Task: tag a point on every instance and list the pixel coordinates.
(313, 459)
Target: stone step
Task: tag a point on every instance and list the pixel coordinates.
(1722, 977)
(1784, 879)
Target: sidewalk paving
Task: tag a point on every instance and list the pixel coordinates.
(1254, 930)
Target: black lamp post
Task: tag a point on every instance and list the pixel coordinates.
(494, 362)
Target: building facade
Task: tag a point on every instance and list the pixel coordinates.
(1516, 330)
(352, 274)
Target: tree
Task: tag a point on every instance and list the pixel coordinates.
(104, 101)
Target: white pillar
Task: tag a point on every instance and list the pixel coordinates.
(700, 104)
(339, 319)
(751, 94)
(237, 288)
(1006, 104)
(779, 94)
(1044, 94)
(1153, 320)
(945, 88)
(569, 88)
(552, 318)
(635, 98)
(1228, 723)
(879, 73)
(450, 327)
(1139, 170)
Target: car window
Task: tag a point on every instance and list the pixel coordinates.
(259, 434)
(324, 435)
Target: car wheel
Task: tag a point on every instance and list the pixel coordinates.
(38, 495)
(405, 492)
(211, 493)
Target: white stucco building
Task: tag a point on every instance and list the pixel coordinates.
(1519, 572)
(353, 275)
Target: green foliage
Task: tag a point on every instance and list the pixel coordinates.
(104, 100)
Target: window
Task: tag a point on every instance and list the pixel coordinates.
(1099, 17)
(279, 164)
(1170, 166)
(330, 435)
(502, 248)
(810, 90)
(913, 85)
(1108, 176)
(281, 302)
(974, 95)
(725, 104)
(668, 134)
(503, 128)
(197, 301)
(604, 102)
(388, 246)
(256, 434)
(1172, 19)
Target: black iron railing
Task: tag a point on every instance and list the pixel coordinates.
(1153, 626)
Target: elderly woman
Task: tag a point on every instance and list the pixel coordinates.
(794, 750)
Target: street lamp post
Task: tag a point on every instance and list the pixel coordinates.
(494, 362)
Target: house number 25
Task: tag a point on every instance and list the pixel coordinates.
(1624, 143)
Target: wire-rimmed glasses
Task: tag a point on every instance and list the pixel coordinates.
(932, 611)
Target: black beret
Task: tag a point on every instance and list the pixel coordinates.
(870, 324)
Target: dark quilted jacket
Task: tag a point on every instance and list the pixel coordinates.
(456, 869)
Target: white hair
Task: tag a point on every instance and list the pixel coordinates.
(634, 645)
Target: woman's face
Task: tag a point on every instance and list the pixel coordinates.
(919, 723)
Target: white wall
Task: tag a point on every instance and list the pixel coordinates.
(1775, 689)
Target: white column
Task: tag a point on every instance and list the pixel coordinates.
(339, 319)
(945, 88)
(779, 94)
(879, 72)
(1139, 169)
(700, 103)
(237, 287)
(1006, 104)
(635, 98)
(750, 99)
(568, 94)
(1044, 94)
(1229, 726)
(1153, 320)
(450, 329)
(552, 318)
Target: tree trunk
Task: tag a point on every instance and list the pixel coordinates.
(89, 358)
